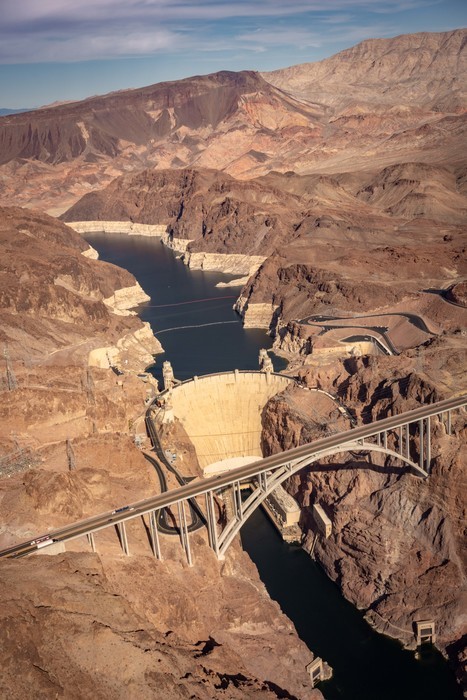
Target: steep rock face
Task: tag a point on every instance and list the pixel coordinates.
(410, 68)
(396, 549)
(149, 649)
(211, 210)
(297, 290)
(65, 299)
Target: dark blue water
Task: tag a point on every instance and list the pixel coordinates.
(182, 299)
(367, 666)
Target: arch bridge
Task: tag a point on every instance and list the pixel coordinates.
(404, 438)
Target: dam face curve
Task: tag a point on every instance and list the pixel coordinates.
(221, 413)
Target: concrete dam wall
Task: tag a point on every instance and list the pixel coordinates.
(222, 413)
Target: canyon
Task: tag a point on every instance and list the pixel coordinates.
(67, 451)
(339, 190)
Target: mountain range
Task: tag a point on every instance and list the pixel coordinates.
(379, 103)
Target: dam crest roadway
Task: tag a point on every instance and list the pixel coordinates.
(405, 439)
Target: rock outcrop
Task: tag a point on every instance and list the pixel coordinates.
(79, 620)
(69, 304)
(396, 548)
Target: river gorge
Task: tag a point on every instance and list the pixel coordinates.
(200, 333)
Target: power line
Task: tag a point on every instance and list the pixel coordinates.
(192, 301)
(200, 325)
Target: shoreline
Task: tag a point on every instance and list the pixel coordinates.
(226, 263)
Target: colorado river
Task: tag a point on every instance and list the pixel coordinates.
(203, 335)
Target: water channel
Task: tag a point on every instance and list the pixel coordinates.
(367, 666)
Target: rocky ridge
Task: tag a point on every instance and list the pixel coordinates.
(381, 102)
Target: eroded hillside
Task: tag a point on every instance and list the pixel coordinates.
(82, 624)
(381, 102)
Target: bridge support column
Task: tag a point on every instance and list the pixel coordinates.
(91, 541)
(184, 531)
(238, 500)
(212, 526)
(123, 538)
(449, 424)
(155, 544)
(421, 436)
(428, 445)
(401, 441)
(385, 440)
(407, 440)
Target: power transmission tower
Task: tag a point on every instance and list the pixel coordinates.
(70, 453)
(11, 382)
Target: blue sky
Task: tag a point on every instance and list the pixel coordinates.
(69, 49)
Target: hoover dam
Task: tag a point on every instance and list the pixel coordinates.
(221, 413)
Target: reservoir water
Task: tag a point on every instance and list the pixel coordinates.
(193, 319)
(367, 666)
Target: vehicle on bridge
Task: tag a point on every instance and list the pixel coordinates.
(123, 509)
(42, 541)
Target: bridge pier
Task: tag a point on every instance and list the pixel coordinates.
(156, 548)
(184, 535)
(123, 538)
(263, 481)
(385, 439)
(428, 445)
(91, 541)
(212, 525)
(238, 500)
(421, 438)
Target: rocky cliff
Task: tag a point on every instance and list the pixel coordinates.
(397, 544)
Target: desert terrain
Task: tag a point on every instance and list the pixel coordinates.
(338, 189)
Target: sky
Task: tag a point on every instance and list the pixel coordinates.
(57, 50)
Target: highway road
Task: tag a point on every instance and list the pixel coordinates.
(199, 487)
(197, 516)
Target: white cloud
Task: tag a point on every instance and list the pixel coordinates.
(300, 38)
(74, 30)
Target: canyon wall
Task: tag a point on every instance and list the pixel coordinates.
(127, 227)
(397, 543)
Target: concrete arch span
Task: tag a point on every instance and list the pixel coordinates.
(267, 483)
